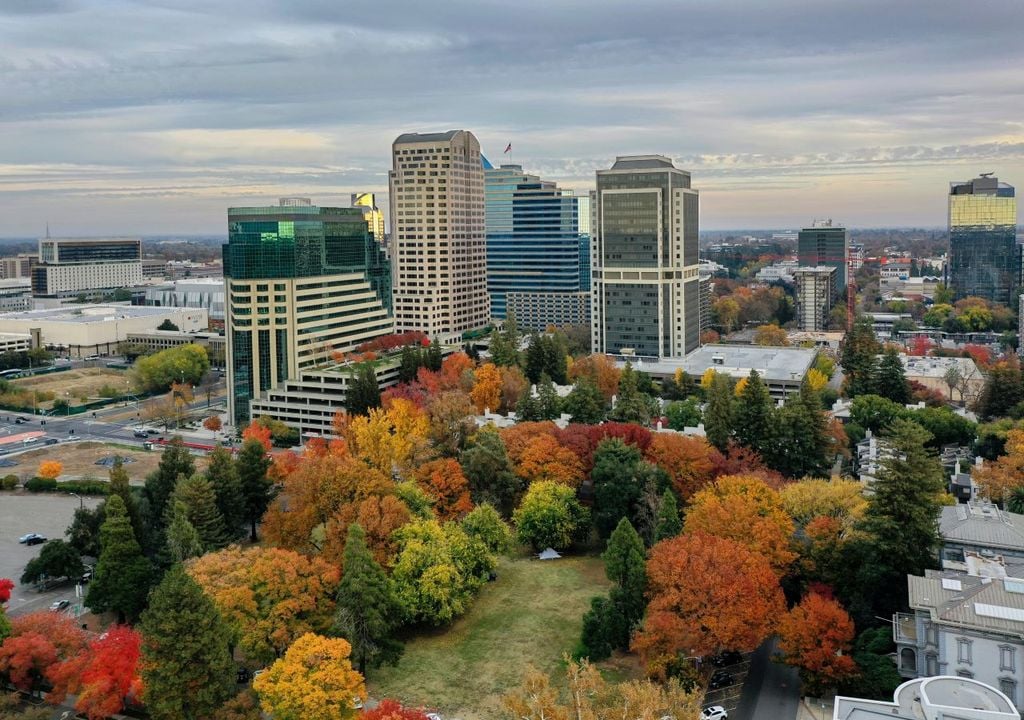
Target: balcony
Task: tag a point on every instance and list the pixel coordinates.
(904, 628)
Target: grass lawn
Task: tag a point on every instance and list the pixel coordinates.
(530, 615)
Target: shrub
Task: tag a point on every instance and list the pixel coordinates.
(38, 484)
(9, 482)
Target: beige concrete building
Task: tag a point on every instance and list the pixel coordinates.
(815, 288)
(19, 266)
(438, 240)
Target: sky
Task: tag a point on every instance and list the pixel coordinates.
(154, 116)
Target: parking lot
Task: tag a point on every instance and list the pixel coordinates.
(47, 515)
(729, 697)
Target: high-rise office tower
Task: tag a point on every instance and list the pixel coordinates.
(583, 218)
(438, 241)
(825, 244)
(984, 258)
(533, 249)
(815, 292)
(646, 299)
(367, 202)
(302, 282)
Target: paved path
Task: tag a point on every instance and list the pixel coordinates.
(772, 690)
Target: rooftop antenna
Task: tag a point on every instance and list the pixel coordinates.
(986, 175)
(47, 230)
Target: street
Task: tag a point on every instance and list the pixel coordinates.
(772, 690)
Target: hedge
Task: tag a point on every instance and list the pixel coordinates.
(81, 487)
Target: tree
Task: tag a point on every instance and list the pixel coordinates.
(890, 379)
(183, 541)
(257, 488)
(6, 585)
(550, 516)
(816, 637)
(38, 645)
(860, 347)
(260, 432)
(84, 531)
(197, 495)
(486, 393)
(545, 459)
(754, 419)
(185, 363)
(57, 559)
(379, 516)
(227, 487)
(120, 485)
(609, 625)
(631, 405)
(390, 439)
(805, 443)
(104, 676)
(489, 472)
(485, 524)
(505, 343)
(549, 405)
(669, 525)
(601, 371)
(388, 709)
(174, 461)
(682, 414)
(718, 412)
(368, 609)
(770, 335)
(213, 423)
(450, 424)
(707, 594)
(513, 385)
(585, 403)
(364, 391)
(691, 462)
(445, 483)
(1003, 389)
(811, 498)
(186, 667)
(617, 483)
(1000, 480)
(50, 469)
(121, 580)
(268, 596)
(167, 325)
(313, 681)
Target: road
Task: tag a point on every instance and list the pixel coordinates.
(772, 690)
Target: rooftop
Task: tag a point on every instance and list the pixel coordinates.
(986, 604)
(643, 162)
(984, 524)
(932, 698)
(426, 137)
(778, 364)
(937, 367)
(90, 313)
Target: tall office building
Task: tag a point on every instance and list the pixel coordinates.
(533, 248)
(302, 282)
(825, 244)
(815, 291)
(86, 266)
(438, 241)
(367, 202)
(646, 299)
(984, 258)
(584, 207)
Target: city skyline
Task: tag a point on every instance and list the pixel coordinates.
(782, 112)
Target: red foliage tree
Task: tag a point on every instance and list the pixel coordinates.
(6, 585)
(691, 462)
(102, 676)
(393, 341)
(38, 644)
(444, 481)
(259, 432)
(920, 345)
(392, 710)
(815, 636)
(414, 392)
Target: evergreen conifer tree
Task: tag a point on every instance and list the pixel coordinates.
(669, 523)
(120, 485)
(363, 392)
(197, 495)
(257, 488)
(754, 419)
(858, 358)
(547, 397)
(631, 405)
(183, 542)
(434, 357)
(528, 407)
(174, 461)
(719, 410)
(489, 472)
(122, 576)
(227, 486)
(890, 380)
(585, 403)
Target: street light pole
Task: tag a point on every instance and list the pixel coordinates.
(81, 503)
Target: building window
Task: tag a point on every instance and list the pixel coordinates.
(1006, 658)
(963, 651)
(965, 673)
(1009, 688)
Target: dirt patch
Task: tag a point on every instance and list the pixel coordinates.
(74, 385)
(79, 460)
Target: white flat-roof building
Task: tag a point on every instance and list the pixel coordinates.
(204, 292)
(937, 698)
(15, 295)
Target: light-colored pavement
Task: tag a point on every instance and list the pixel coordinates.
(814, 709)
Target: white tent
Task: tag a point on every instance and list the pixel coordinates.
(549, 554)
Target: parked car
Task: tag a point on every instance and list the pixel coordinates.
(720, 680)
(242, 676)
(86, 577)
(140, 434)
(727, 658)
(59, 605)
(715, 712)
(36, 539)
(25, 538)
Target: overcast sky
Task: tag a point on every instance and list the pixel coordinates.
(154, 116)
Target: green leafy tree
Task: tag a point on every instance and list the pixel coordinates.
(257, 488)
(167, 325)
(585, 403)
(122, 576)
(875, 413)
(411, 360)
(631, 405)
(528, 407)
(227, 486)
(669, 523)
(550, 516)
(489, 471)
(368, 611)
(617, 486)
(185, 363)
(174, 461)
(1003, 389)
(505, 343)
(890, 379)
(683, 414)
(485, 524)
(860, 348)
(183, 541)
(363, 392)
(197, 495)
(57, 559)
(549, 404)
(754, 418)
(609, 625)
(718, 412)
(804, 446)
(546, 355)
(186, 667)
(84, 531)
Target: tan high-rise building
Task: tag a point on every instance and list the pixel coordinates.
(438, 240)
(367, 202)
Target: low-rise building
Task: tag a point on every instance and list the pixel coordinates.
(781, 271)
(69, 267)
(980, 528)
(538, 310)
(157, 340)
(15, 295)
(15, 342)
(935, 698)
(205, 293)
(872, 451)
(935, 373)
(19, 266)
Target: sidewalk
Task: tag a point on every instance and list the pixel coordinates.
(814, 709)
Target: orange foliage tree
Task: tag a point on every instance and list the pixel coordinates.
(103, 675)
(513, 384)
(690, 462)
(517, 437)
(450, 421)
(486, 393)
(213, 423)
(50, 469)
(601, 370)
(38, 645)
(815, 636)
(444, 481)
(389, 709)
(744, 509)
(379, 516)
(258, 432)
(268, 596)
(544, 459)
(998, 479)
(707, 594)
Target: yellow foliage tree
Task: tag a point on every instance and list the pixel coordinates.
(486, 393)
(707, 378)
(811, 498)
(816, 380)
(770, 335)
(740, 384)
(391, 439)
(313, 681)
(997, 480)
(50, 469)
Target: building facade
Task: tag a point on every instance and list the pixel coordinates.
(825, 244)
(367, 202)
(15, 295)
(303, 282)
(984, 258)
(646, 299)
(533, 244)
(815, 290)
(540, 310)
(73, 266)
(19, 266)
(195, 292)
(438, 238)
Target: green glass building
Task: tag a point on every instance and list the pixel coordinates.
(984, 258)
(303, 282)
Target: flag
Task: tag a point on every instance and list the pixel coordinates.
(508, 148)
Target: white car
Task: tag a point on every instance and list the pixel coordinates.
(715, 712)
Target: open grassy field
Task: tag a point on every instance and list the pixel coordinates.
(82, 382)
(79, 460)
(531, 615)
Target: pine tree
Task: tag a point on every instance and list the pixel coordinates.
(890, 379)
(547, 397)
(120, 485)
(631, 405)
(257, 488)
(186, 668)
(183, 541)
(754, 418)
(363, 392)
(505, 343)
(434, 357)
(802, 446)
(536, 358)
(223, 475)
(669, 523)
(489, 472)
(610, 624)
(368, 609)
(718, 413)
(409, 364)
(585, 403)
(197, 495)
(122, 576)
(174, 461)
(858, 357)
(528, 407)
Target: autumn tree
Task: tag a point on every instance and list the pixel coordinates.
(444, 481)
(257, 488)
(545, 460)
(486, 393)
(186, 668)
(770, 335)
(744, 509)
(368, 610)
(392, 438)
(388, 709)
(999, 480)
(816, 636)
(121, 581)
(38, 645)
(268, 596)
(104, 676)
(599, 369)
(379, 516)
(690, 462)
(489, 472)
(213, 423)
(811, 498)
(692, 614)
(50, 469)
(450, 424)
(550, 516)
